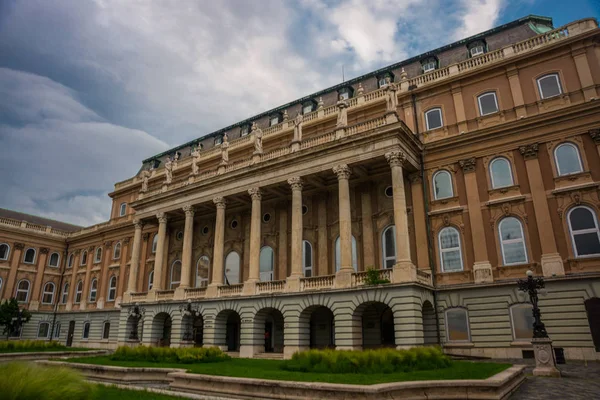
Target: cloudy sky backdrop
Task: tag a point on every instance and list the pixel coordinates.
(89, 88)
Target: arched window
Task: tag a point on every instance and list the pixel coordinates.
(457, 325)
(175, 274)
(117, 251)
(65, 293)
(521, 318)
(266, 263)
(70, 260)
(98, 255)
(154, 243)
(488, 103)
(338, 254)
(442, 185)
(4, 251)
(57, 330)
(202, 270)
(112, 288)
(567, 159)
(54, 260)
(585, 235)
(388, 240)
(48, 293)
(1, 282)
(450, 251)
(83, 260)
(512, 241)
(93, 290)
(22, 294)
(307, 259)
(78, 292)
(433, 118)
(549, 86)
(500, 173)
(106, 330)
(29, 256)
(150, 279)
(232, 268)
(122, 209)
(43, 330)
(86, 330)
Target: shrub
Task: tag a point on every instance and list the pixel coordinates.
(380, 361)
(26, 381)
(168, 355)
(29, 345)
(373, 277)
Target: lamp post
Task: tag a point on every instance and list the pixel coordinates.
(188, 311)
(545, 363)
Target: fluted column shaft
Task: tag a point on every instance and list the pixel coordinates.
(186, 256)
(254, 272)
(217, 273)
(345, 219)
(160, 251)
(135, 257)
(396, 159)
(296, 184)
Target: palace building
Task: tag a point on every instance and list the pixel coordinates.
(395, 209)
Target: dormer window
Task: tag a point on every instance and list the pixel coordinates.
(308, 106)
(382, 79)
(274, 119)
(244, 130)
(218, 140)
(429, 64)
(476, 48)
(345, 93)
(155, 163)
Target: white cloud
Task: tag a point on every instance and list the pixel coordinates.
(479, 16)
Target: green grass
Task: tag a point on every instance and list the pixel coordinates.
(102, 392)
(270, 369)
(29, 346)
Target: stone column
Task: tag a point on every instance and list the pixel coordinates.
(186, 256)
(459, 109)
(552, 263)
(293, 281)
(104, 275)
(85, 294)
(14, 267)
(122, 270)
(73, 281)
(160, 251)
(343, 277)
(283, 241)
(367, 230)
(218, 257)
(255, 239)
(36, 294)
(418, 205)
(135, 260)
(482, 269)
(144, 269)
(404, 270)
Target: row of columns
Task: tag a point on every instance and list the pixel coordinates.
(404, 270)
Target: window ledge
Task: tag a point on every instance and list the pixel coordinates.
(458, 345)
(568, 183)
(521, 343)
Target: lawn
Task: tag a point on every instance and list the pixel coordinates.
(269, 369)
(113, 393)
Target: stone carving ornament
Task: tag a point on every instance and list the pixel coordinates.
(257, 132)
(342, 119)
(168, 171)
(391, 97)
(342, 171)
(195, 159)
(225, 150)
(295, 182)
(298, 127)
(145, 175)
(395, 158)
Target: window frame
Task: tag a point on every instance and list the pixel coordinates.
(83, 260)
(28, 291)
(557, 77)
(509, 241)
(567, 144)
(65, 293)
(98, 259)
(510, 172)
(239, 267)
(47, 331)
(56, 333)
(588, 230)
(115, 256)
(45, 292)
(172, 269)
(105, 331)
(466, 311)
(427, 119)
(150, 280)
(94, 290)
(25, 256)
(512, 320)
(85, 334)
(442, 171)
(122, 209)
(112, 289)
(354, 251)
(78, 292)
(154, 243)
(441, 251)
(196, 277)
(384, 256)
(304, 264)
(7, 251)
(476, 47)
(57, 260)
(272, 264)
(493, 93)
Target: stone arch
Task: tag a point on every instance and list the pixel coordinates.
(317, 327)
(268, 330)
(132, 329)
(430, 335)
(162, 324)
(228, 326)
(373, 325)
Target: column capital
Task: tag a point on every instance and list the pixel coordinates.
(255, 193)
(415, 178)
(146, 236)
(342, 171)
(91, 248)
(220, 201)
(189, 211)
(162, 217)
(137, 224)
(108, 244)
(19, 245)
(529, 151)
(76, 252)
(126, 240)
(468, 165)
(395, 158)
(595, 134)
(44, 250)
(295, 182)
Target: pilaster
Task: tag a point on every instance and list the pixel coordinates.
(517, 94)
(583, 71)
(135, 260)
(418, 208)
(36, 293)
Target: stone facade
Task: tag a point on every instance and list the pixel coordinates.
(449, 183)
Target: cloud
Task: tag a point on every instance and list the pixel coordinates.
(478, 16)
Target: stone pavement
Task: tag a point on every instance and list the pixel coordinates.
(578, 381)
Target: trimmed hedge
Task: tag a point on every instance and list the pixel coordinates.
(27, 381)
(168, 355)
(29, 345)
(380, 361)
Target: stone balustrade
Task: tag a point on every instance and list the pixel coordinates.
(317, 282)
(230, 290)
(165, 294)
(195, 293)
(424, 277)
(270, 287)
(359, 278)
(137, 297)
(24, 225)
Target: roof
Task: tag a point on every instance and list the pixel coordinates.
(34, 219)
(527, 19)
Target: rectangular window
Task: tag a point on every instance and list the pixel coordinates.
(433, 119)
(428, 67)
(307, 108)
(549, 86)
(457, 324)
(488, 103)
(274, 121)
(43, 330)
(476, 51)
(244, 130)
(344, 96)
(522, 321)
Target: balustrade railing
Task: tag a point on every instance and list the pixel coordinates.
(318, 140)
(360, 278)
(141, 296)
(365, 126)
(374, 94)
(195, 293)
(424, 277)
(330, 110)
(11, 222)
(165, 294)
(270, 286)
(541, 40)
(317, 282)
(231, 290)
(480, 60)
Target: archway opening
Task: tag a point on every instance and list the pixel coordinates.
(268, 330)
(317, 329)
(161, 329)
(227, 330)
(592, 307)
(430, 336)
(376, 325)
(193, 330)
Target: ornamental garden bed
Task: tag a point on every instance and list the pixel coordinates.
(35, 346)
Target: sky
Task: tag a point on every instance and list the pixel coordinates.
(90, 88)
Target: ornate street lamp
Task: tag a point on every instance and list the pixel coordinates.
(188, 311)
(545, 363)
